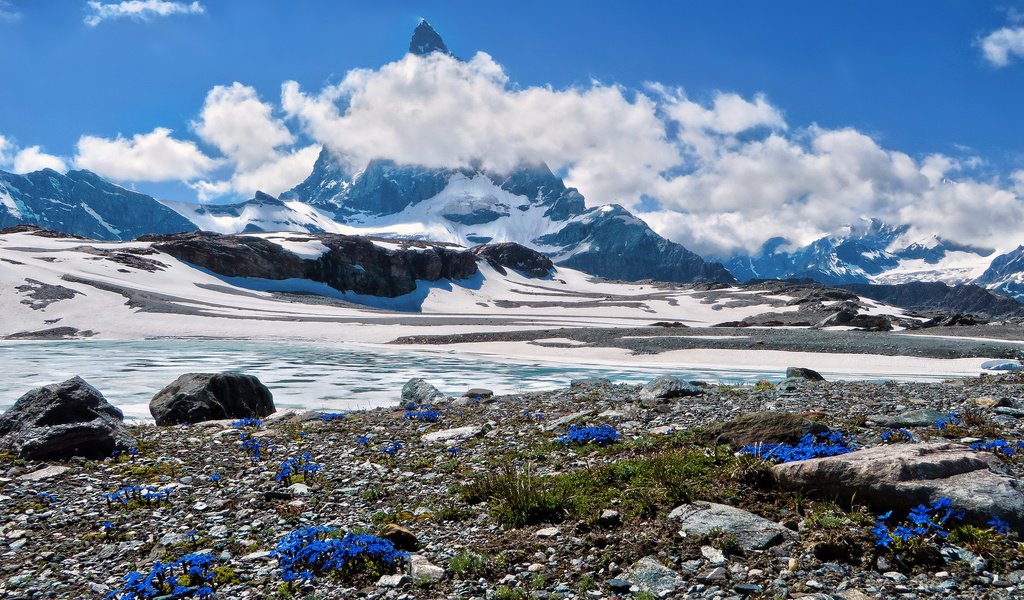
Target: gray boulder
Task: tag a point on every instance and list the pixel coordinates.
(803, 373)
(418, 391)
(650, 575)
(63, 420)
(901, 476)
(750, 531)
(667, 387)
(198, 397)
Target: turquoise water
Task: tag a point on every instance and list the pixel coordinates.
(318, 376)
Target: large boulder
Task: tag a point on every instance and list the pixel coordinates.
(901, 476)
(418, 391)
(63, 420)
(751, 532)
(197, 397)
(767, 427)
(667, 387)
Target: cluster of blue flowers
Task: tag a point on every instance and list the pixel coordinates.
(327, 418)
(306, 553)
(391, 449)
(952, 419)
(298, 466)
(215, 478)
(536, 416)
(427, 415)
(196, 580)
(142, 493)
(897, 435)
(454, 451)
(602, 435)
(829, 443)
(926, 522)
(46, 497)
(254, 447)
(248, 422)
(1000, 447)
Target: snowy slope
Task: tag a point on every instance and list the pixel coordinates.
(262, 213)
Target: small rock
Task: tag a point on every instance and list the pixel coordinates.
(481, 393)
(402, 538)
(455, 435)
(393, 581)
(713, 555)
(609, 518)
(420, 569)
(650, 575)
(298, 489)
(716, 575)
(547, 532)
(803, 373)
(44, 473)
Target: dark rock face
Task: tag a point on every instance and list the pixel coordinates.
(426, 41)
(84, 204)
(352, 263)
(516, 257)
(921, 295)
(667, 387)
(765, 428)
(621, 246)
(63, 420)
(803, 373)
(850, 317)
(197, 397)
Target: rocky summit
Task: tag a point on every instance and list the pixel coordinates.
(580, 492)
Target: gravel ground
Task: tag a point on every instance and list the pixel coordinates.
(653, 340)
(57, 548)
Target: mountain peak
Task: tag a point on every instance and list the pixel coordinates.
(426, 41)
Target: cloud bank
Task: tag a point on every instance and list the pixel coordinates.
(720, 174)
(139, 10)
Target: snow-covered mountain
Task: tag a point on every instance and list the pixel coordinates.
(83, 203)
(867, 252)
(262, 213)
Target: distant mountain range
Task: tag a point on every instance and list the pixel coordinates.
(529, 205)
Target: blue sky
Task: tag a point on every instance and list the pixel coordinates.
(910, 75)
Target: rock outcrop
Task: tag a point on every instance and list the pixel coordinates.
(765, 428)
(418, 391)
(516, 257)
(901, 476)
(351, 263)
(198, 397)
(63, 420)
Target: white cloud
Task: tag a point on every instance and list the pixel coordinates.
(1003, 44)
(154, 156)
(280, 174)
(34, 159)
(439, 111)
(241, 126)
(141, 10)
(728, 173)
(5, 147)
(8, 12)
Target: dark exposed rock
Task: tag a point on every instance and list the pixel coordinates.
(352, 263)
(426, 41)
(62, 420)
(765, 428)
(804, 373)
(901, 476)
(197, 397)
(938, 296)
(478, 393)
(516, 257)
(922, 417)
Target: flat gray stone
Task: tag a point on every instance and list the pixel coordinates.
(44, 473)
(750, 531)
(650, 575)
(448, 436)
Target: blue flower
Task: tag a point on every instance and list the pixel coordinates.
(248, 422)
(809, 446)
(332, 417)
(999, 526)
(428, 416)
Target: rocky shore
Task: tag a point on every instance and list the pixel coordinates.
(513, 497)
